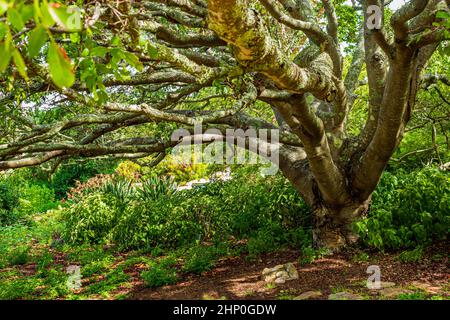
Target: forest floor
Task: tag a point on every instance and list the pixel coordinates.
(237, 278)
(33, 268)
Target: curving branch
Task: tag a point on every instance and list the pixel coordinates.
(407, 12)
(255, 49)
(312, 31)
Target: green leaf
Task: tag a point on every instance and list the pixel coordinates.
(66, 17)
(3, 7)
(15, 19)
(75, 37)
(153, 52)
(99, 52)
(85, 52)
(133, 60)
(3, 30)
(20, 64)
(60, 66)
(38, 37)
(27, 12)
(5, 53)
(115, 41)
(47, 18)
(442, 15)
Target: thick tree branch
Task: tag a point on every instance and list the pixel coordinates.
(404, 14)
(311, 30)
(254, 49)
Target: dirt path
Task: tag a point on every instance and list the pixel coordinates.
(238, 278)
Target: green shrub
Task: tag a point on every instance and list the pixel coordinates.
(270, 213)
(155, 188)
(159, 275)
(91, 220)
(165, 223)
(19, 256)
(414, 255)
(121, 189)
(36, 198)
(44, 260)
(9, 202)
(360, 257)
(68, 174)
(309, 254)
(408, 209)
(263, 241)
(8, 218)
(412, 296)
(200, 259)
(173, 166)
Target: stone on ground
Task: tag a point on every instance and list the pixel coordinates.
(394, 292)
(280, 273)
(387, 284)
(344, 296)
(308, 295)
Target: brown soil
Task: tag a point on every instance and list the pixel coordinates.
(239, 279)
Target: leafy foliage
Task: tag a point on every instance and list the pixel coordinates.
(160, 274)
(156, 215)
(9, 201)
(155, 188)
(408, 209)
(68, 175)
(91, 219)
(200, 259)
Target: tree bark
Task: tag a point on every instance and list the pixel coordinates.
(331, 221)
(332, 227)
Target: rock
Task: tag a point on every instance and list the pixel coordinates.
(266, 271)
(308, 295)
(278, 268)
(386, 284)
(282, 273)
(394, 292)
(344, 296)
(382, 285)
(270, 278)
(292, 271)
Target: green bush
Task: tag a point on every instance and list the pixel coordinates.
(90, 220)
(174, 167)
(9, 202)
(36, 198)
(309, 254)
(408, 209)
(155, 188)
(68, 174)
(200, 259)
(269, 212)
(18, 256)
(159, 275)
(414, 255)
(164, 222)
(121, 189)
(20, 198)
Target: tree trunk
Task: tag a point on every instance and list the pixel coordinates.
(332, 223)
(332, 227)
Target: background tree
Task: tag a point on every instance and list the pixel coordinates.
(117, 81)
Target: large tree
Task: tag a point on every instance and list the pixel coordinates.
(128, 64)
